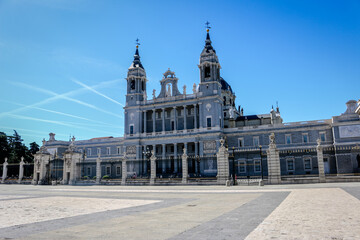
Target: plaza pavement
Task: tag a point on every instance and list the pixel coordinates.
(311, 211)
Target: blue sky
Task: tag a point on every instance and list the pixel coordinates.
(63, 63)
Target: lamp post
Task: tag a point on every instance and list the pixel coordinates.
(147, 154)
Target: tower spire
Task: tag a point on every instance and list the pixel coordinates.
(208, 45)
(137, 62)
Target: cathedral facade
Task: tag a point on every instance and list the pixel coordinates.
(198, 122)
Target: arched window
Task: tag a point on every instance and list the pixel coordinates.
(207, 72)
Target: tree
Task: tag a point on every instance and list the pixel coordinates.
(34, 148)
(4, 147)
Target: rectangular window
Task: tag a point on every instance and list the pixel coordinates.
(88, 171)
(108, 170)
(131, 130)
(118, 150)
(288, 139)
(256, 141)
(98, 151)
(208, 122)
(241, 142)
(172, 126)
(159, 115)
(322, 136)
(257, 166)
(89, 152)
(242, 167)
(168, 114)
(305, 138)
(118, 170)
(290, 165)
(307, 164)
(108, 150)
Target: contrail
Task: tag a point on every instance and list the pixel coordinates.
(62, 113)
(55, 97)
(57, 123)
(93, 90)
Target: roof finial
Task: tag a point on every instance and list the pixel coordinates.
(137, 43)
(207, 26)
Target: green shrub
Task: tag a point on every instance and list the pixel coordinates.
(94, 177)
(106, 177)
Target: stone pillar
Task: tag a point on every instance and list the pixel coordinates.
(163, 120)
(222, 163)
(273, 159)
(145, 127)
(196, 155)
(185, 127)
(200, 117)
(320, 158)
(4, 175)
(98, 170)
(21, 170)
(152, 168)
(195, 117)
(138, 152)
(163, 158)
(124, 171)
(154, 121)
(201, 146)
(184, 158)
(175, 158)
(175, 120)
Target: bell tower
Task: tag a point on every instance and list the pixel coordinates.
(136, 80)
(209, 67)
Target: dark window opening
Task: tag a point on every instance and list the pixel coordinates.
(358, 160)
(143, 85)
(131, 129)
(208, 122)
(132, 85)
(224, 100)
(207, 72)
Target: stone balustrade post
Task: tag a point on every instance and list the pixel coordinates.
(222, 163)
(124, 171)
(98, 170)
(152, 168)
(21, 170)
(273, 159)
(184, 158)
(4, 175)
(320, 158)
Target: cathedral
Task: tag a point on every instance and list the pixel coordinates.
(199, 134)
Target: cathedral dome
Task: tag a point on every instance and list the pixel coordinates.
(225, 86)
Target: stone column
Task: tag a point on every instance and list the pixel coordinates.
(4, 175)
(184, 158)
(185, 127)
(273, 159)
(320, 158)
(200, 117)
(175, 158)
(21, 170)
(145, 127)
(196, 154)
(152, 168)
(185, 148)
(124, 171)
(201, 146)
(195, 117)
(163, 158)
(98, 170)
(175, 120)
(163, 120)
(222, 163)
(154, 121)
